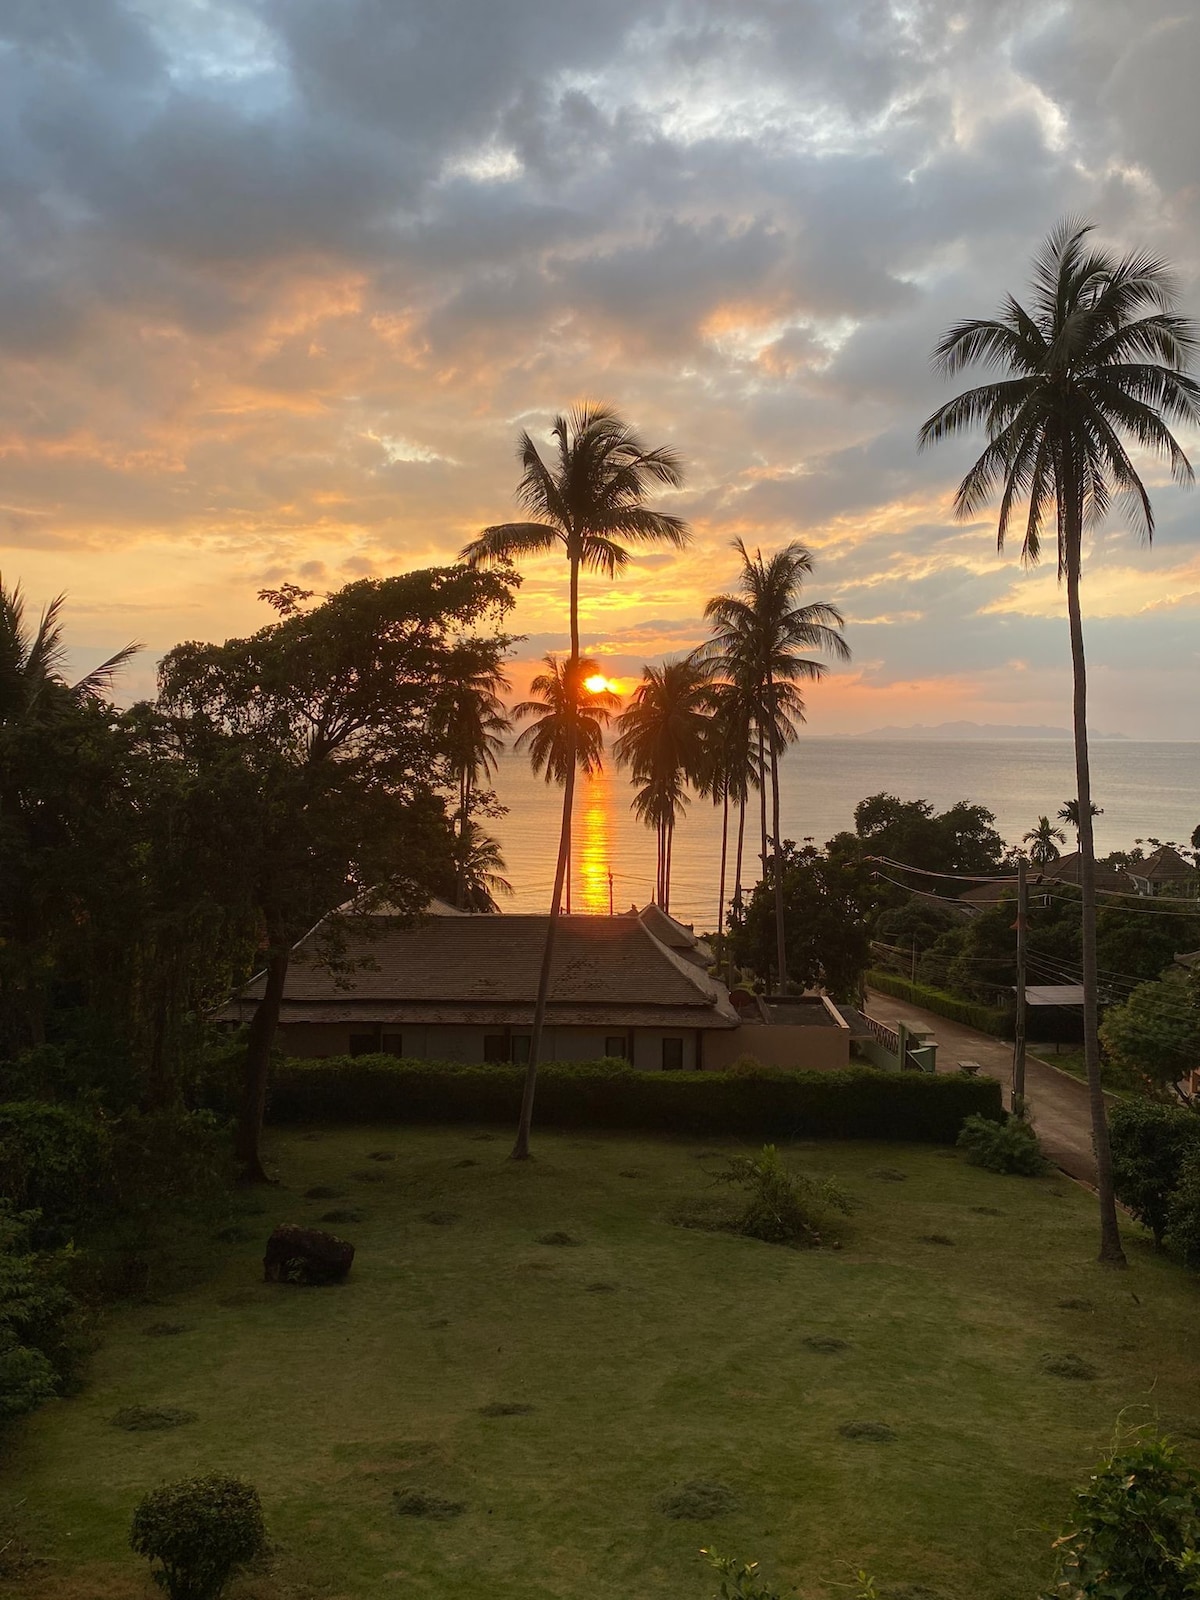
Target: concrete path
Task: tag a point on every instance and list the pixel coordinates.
(1058, 1102)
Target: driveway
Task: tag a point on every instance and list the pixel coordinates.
(1058, 1103)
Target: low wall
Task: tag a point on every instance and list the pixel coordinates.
(788, 1047)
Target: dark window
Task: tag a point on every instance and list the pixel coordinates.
(520, 1049)
(616, 1045)
(393, 1044)
(364, 1044)
(672, 1055)
(495, 1047)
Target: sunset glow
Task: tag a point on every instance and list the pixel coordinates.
(598, 683)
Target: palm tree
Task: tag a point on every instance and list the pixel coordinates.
(565, 712)
(585, 505)
(33, 660)
(758, 633)
(662, 740)
(470, 723)
(733, 766)
(1043, 842)
(1098, 358)
(481, 870)
(1068, 812)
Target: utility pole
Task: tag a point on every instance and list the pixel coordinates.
(610, 892)
(1022, 925)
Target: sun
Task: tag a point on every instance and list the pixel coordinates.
(598, 683)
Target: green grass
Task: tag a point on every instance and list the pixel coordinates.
(707, 1362)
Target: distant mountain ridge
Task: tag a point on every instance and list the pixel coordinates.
(977, 730)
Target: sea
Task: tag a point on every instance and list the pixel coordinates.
(1146, 791)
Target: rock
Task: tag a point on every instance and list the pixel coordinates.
(306, 1255)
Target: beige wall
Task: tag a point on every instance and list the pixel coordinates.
(465, 1043)
(793, 1048)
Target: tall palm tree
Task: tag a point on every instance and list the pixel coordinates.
(584, 505)
(1043, 842)
(1099, 358)
(1068, 812)
(33, 660)
(482, 870)
(569, 719)
(733, 765)
(471, 725)
(758, 633)
(662, 740)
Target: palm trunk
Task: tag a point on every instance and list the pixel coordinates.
(258, 1064)
(762, 817)
(464, 805)
(724, 860)
(570, 842)
(520, 1150)
(736, 906)
(1111, 1253)
(670, 832)
(780, 939)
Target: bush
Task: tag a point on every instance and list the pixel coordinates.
(987, 1019)
(40, 1337)
(1136, 1528)
(859, 1104)
(53, 1160)
(1183, 1211)
(783, 1207)
(1010, 1146)
(1149, 1145)
(201, 1530)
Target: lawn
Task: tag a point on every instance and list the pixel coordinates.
(651, 1355)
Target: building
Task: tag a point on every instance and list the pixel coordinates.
(456, 987)
(1165, 873)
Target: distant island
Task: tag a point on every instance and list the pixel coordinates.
(977, 730)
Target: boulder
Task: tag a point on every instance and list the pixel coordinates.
(306, 1255)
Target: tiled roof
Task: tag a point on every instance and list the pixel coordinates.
(455, 965)
(1164, 866)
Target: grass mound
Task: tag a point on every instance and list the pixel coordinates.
(936, 1238)
(368, 1177)
(505, 1408)
(825, 1344)
(165, 1330)
(151, 1419)
(381, 1155)
(557, 1237)
(322, 1191)
(697, 1501)
(602, 1288)
(344, 1214)
(888, 1175)
(467, 1161)
(868, 1432)
(421, 1503)
(440, 1219)
(1069, 1365)
(1074, 1303)
(631, 1172)
(987, 1211)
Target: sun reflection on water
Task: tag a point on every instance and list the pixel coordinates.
(592, 843)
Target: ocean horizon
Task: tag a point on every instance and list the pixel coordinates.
(1147, 789)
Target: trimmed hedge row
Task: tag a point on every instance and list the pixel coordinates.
(860, 1104)
(988, 1019)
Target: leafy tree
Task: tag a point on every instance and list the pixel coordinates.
(663, 739)
(314, 742)
(590, 505)
(1150, 1144)
(758, 634)
(825, 909)
(1155, 1035)
(1043, 842)
(1101, 355)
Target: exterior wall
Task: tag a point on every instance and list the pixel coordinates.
(793, 1048)
(465, 1043)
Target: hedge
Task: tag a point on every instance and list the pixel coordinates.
(859, 1104)
(987, 1019)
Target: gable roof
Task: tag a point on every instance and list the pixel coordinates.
(1164, 866)
(485, 968)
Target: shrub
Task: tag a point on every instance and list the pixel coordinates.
(739, 1579)
(1010, 1146)
(1149, 1145)
(988, 1019)
(1183, 1212)
(859, 1104)
(201, 1530)
(53, 1160)
(41, 1340)
(783, 1207)
(1136, 1528)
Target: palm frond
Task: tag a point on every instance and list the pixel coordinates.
(504, 541)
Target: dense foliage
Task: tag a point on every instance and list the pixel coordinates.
(825, 912)
(1135, 1531)
(1150, 1144)
(1155, 1035)
(860, 1104)
(783, 1207)
(40, 1326)
(1010, 1146)
(200, 1531)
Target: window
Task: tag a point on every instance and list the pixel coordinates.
(672, 1055)
(393, 1044)
(616, 1045)
(520, 1049)
(364, 1044)
(495, 1047)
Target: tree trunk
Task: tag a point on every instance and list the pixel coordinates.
(736, 904)
(724, 860)
(669, 828)
(258, 1064)
(780, 937)
(520, 1150)
(1111, 1253)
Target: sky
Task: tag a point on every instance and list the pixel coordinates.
(282, 280)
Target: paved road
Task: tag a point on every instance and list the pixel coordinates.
(1058, 1102)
